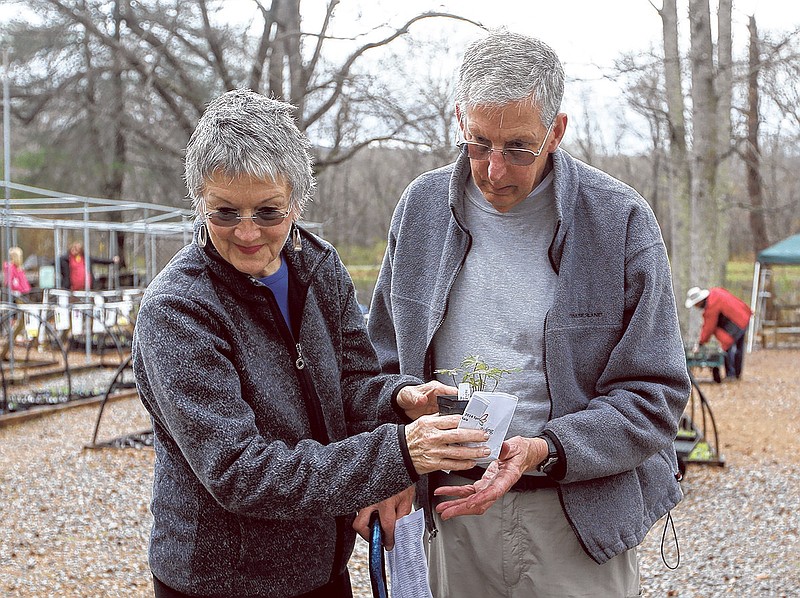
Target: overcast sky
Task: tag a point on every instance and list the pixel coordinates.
(583, 32)
(579, 30)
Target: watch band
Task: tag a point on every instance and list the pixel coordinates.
(550, 461)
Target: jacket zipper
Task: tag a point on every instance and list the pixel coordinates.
(316, 417)
(319, 428)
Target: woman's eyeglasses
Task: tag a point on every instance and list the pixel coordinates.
(264, 217)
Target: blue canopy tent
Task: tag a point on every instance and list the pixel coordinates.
(783, 253)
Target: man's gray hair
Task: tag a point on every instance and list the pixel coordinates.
(245, 133)
(504, 67)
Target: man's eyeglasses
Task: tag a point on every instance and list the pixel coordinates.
(264, 217)
(516, 156)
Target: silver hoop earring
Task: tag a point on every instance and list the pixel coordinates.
(297, 243)
(202, 235)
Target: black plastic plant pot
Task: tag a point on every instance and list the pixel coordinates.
(451, 404)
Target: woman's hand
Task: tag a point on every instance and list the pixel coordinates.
(434, 443)
(421, 399)
(389, 511)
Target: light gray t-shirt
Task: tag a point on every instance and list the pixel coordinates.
(500, 298)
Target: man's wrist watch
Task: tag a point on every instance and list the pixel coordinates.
(550, 461)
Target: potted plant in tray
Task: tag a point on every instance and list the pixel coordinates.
(487, 410)
(475, 375)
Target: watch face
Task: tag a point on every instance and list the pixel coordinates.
(548, 464)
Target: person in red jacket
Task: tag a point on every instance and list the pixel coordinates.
(14, 278)
(74, 271)
(726, 317)
(14, 273)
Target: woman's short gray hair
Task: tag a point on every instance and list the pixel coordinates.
(504, 67)
(245, 133)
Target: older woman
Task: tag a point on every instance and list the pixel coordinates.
(251, 355)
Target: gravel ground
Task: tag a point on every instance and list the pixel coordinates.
(76, 520)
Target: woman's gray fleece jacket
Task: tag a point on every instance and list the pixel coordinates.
(266, 445)
(614, 359)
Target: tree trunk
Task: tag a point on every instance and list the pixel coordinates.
(724, 89)
(285, 63)
(679, 173)
(94, 115)
(116, 172)
(752, 154)
(114, 181)
(705, 158)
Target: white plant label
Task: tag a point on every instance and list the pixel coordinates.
(492, 412)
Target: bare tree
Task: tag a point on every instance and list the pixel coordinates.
(723, 82)
(680, 173)
(357, 197)
(155, 64)
(752, 154)
(705, 209)
(779, 105)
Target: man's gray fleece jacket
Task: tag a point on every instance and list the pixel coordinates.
(614, 360)
(261, 464)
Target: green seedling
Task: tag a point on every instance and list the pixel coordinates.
(477, 373)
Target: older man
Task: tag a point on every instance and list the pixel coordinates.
(536, 261)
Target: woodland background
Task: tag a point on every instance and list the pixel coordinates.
(104, 94)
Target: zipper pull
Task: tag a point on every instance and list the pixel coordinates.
(299, 363)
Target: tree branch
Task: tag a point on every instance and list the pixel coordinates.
(216, 49)
(162, 88)
(344, 70)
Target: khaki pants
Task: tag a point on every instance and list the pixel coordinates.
(523, 546)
